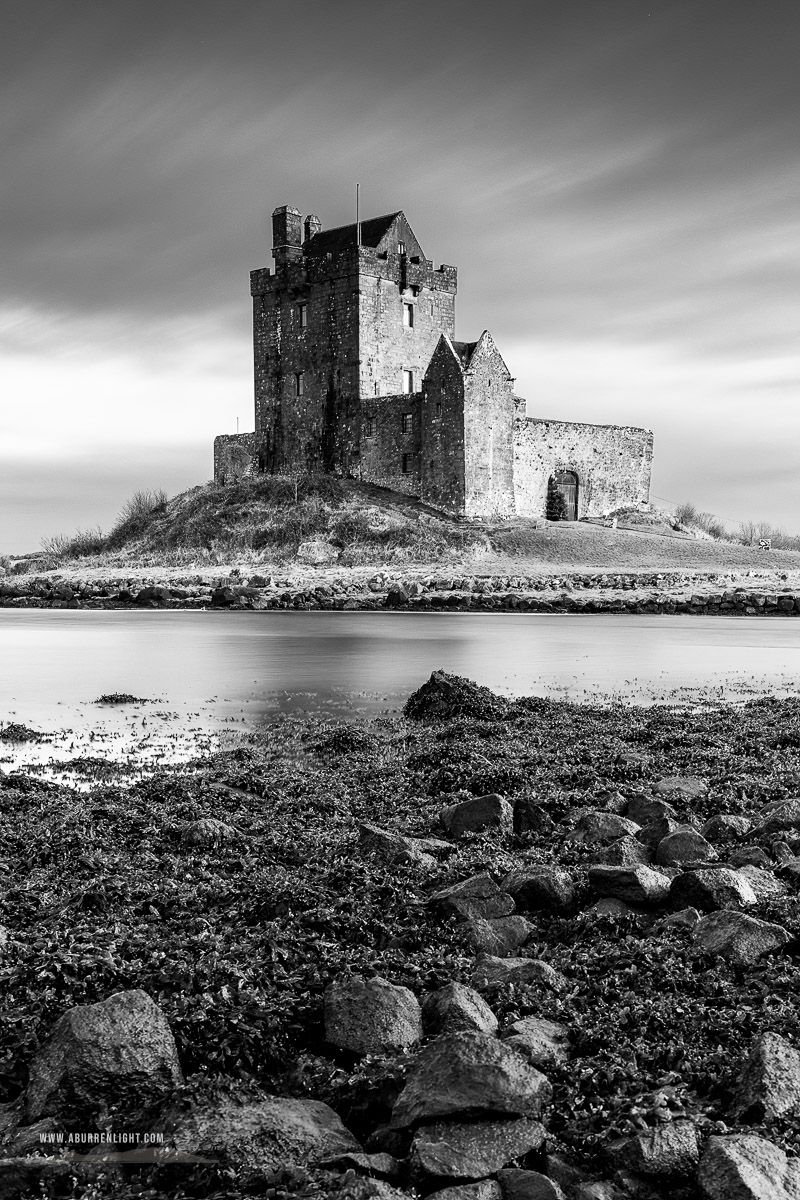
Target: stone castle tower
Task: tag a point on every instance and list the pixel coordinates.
(358, 373)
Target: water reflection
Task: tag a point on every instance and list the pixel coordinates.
(212, 672)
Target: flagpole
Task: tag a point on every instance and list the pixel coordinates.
(358, 214)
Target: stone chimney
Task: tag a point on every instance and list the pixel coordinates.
(312, 225)
(286, 235)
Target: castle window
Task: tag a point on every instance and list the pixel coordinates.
(438, 408)
(302, 312)
(408, 314)
(369, 427)
(405, 465)
(408, 381)
(401, 247)
(405, 422)
(299, 383)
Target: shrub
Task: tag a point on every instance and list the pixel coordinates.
(556, 508)
(84, 542)
(136, 515)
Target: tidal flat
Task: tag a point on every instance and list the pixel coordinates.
(240, 889)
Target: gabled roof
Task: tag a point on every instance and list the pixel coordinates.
(331, 241)
(464, 351)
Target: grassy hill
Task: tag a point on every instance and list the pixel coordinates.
(264, 522)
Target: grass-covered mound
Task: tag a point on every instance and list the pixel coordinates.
(236, 937)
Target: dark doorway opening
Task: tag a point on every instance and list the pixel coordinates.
(566, 484)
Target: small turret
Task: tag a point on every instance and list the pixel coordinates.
(311, 225)
(286, 235)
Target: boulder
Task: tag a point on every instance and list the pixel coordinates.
(684, 918)
(456, 1008)
(469, 1075)
(541, 887)
(501, 936)
(478, 896)
(490, 969)
(682, 847)
(710, 888)
(743, 856)
(119, 1054)
(317, 553)
(726, 827)
(528, 1185)
(544, 1043)
(207, 831)
(152, 597)
(477, 815)
(396, 596)
(651, 834)
(762, 881)
(262, 1136)
(596, 828)
(770, 1083)
(634, 885)
(221, 597)
(396, 847)
(740, 938)
(372, 1016)
(487, 1189)
(446, 696)
(684, 788)
(742, 1166)
(627, 851)
(645, 809)
(476, 1149)
(775, 817)
(670, 1149)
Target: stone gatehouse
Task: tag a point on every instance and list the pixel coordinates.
(358, 372)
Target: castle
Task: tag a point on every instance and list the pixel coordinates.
(358, 373)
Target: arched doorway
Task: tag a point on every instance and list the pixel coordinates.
(566, 482)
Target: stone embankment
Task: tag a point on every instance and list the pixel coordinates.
(693, 594)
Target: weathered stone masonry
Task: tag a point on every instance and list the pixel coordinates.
(357, 372)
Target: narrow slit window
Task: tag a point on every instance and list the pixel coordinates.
(401, 247)
(438, 408)
(405, 465)
(369, 427)
(299, 383)
(408, 382)
(405, 422)
(302, 313)
(408, 315)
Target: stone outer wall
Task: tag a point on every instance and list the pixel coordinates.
(236, 456)
(488, 434)
(442, 432)
(381, 456)
(612, 463)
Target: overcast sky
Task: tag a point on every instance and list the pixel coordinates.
(617, 181)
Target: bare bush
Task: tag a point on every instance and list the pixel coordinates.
(82, 544)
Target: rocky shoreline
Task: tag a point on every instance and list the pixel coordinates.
(698, 593)
(491, 950)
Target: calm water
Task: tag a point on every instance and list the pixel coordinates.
(209, 672)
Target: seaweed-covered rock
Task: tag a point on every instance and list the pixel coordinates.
(685, 788)
(478, 896)
(541, 886)
(644, 809)
(486, 1189)
(262, 1136)
(490, 969)
(517, 1184)
(770, 1083)
(711, 888)
(726, 827)
(544, 1043)
(743, 1166)
(457, 1008)
(738, 937)
(446, 696)
(469, 1075)
(207, 831)
(396, 847)
(476, 815)
(682, 847)
(119, 1053)
(634, 885)
(597, 828)
(501, 936)
(626, 851)
(372, 1016)
(778, 816)
(473, 1150)
(670, 1149)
